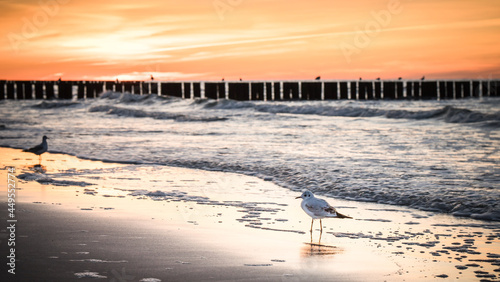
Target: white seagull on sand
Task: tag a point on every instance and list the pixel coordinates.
(39, 149)
(318, 208)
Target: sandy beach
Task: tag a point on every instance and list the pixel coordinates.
(82, 220)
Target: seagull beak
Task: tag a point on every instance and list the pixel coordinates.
(298, 197)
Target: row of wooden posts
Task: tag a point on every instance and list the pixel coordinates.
(257, 90)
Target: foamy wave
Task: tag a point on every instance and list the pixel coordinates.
(128, 98)
(127, 112)
(55, 104)
(448, 113)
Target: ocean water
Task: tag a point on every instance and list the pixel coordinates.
(431, 155)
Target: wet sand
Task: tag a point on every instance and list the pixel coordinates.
(82, 220)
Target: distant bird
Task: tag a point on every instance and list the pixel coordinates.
(318, 208)
(378, 78)
(400, 78)
(360, 78)
(241, 79)
(39, 149)
(152, 78)
(318, 78)
(423, 78)
(222, 79)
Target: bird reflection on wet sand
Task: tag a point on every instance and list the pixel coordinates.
(317, 249)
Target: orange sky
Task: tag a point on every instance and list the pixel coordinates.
(251, 39)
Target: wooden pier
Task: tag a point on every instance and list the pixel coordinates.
(258, 90)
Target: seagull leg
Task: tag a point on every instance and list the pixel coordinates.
(312, 221)
(321, 225)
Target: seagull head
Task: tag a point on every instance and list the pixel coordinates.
(306, 195)
(45, 138)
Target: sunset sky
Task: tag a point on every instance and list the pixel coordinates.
(249, 39)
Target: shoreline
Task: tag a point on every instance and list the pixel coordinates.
(97, 220)
(486, 216)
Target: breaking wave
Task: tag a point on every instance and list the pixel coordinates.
(127, 112)
(446, 113)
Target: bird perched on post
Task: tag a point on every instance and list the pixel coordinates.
(318, 208)
(39, 149)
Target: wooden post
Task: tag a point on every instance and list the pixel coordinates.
(145, 87)
(278, 91)
(211, 90)
(257, 91)
(399, 90)
(291, 90)
(269, 87)
(429, 90)
(239, 91)
(311, 90)
(494, 89)
(344, 90)
(162, 91)
(442, 90)
(417, 90)
(136, 87)
(100, 88)
(331, 91)
(365, 90)
(20, 90)
(28, 90)
(353, 90)
(287, 91)
(389, 90)
(2, 89)
(187, 90)
(197, 90)
(109, 85)
(39, 90)
(448, 93)
(153, 88)
(485, 88)
(171, 89)
(65, 90)
(49, 90)
(81, 90)
(127, 86)
(458, 90)
(466, 89)
(10, 90)
(118, 87)
(90, 89)
(377, 90)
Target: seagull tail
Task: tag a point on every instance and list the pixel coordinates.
(339, 215)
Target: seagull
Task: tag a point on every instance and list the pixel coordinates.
(39, 149)
(318, 208)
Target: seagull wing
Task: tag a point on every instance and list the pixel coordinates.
(34, 149)
(320, 207)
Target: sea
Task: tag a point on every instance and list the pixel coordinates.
(434, 155)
